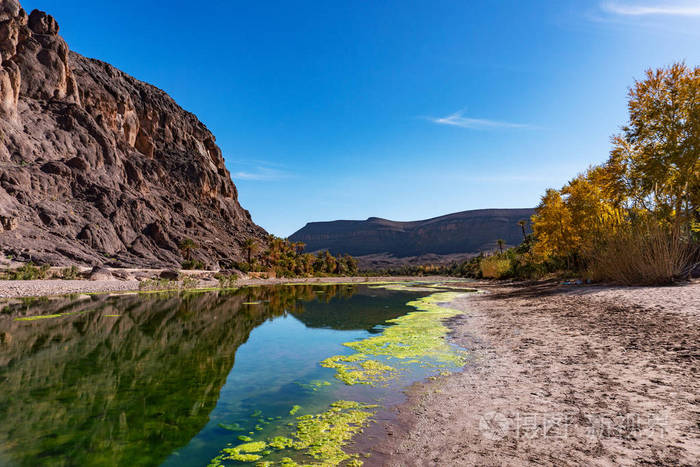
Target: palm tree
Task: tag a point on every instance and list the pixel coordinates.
(187, 246)
(522, 223)
(250, 246)
(500, 244)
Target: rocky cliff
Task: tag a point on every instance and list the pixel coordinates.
(97, 167)
(462, 232)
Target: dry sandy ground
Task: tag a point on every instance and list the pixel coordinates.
(36, 288)
(560, 376)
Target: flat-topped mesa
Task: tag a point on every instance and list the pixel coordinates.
(97, 167)
(457, 233)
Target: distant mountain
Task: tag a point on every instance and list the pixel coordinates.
(462, 232)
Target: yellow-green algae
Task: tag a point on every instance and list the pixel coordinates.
(280, 442)
(357, 369)
(415, 338)
(231, 427)
(35, 318)
(418, 336)
(321, 437)
(56, 315)
(245, 452)
(315, 384)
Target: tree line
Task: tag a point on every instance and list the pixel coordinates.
(288, 259)
(281, 257)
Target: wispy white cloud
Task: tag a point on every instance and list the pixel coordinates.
(458, 119)
(265, 174)
(658, 8)
(254, 162)
(257, 170)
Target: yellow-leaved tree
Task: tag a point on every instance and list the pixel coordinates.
(631, 217)
(659, 149)
(553, 228)
(570, 220)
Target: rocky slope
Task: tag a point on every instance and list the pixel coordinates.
(462, 232)
(97, 167)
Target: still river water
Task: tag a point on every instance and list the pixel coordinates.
(184, 379)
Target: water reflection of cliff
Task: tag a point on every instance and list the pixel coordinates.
(93, 389)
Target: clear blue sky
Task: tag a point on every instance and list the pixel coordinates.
(399, 109)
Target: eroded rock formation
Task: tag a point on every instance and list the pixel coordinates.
(97, 167)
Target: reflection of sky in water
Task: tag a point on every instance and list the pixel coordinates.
(272, 372)
(271, 367)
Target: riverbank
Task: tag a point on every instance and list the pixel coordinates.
(559, 375)
(52, 287)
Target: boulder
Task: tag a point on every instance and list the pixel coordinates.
(99, 273)
(8, 222)
(170, 274)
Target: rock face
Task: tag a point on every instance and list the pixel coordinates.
(97, 167)
(462, 232)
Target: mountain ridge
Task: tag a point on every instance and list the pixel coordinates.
(461, 232)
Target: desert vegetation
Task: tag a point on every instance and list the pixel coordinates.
(635, 218)
(31, 271)
(288, 259)
(27, 271)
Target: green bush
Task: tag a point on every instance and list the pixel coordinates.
(157, 284)
(27, 272)
(495, 267)
(189, 282)
(70, 273)
(192, 264)
(226, 281)
(243, 267)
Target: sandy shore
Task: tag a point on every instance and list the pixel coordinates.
(559, 376)
(41, 288)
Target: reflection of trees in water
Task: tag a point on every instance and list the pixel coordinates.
(91, 389)
(363, 312)
(308, 303)
(87, 388)
(285, 297)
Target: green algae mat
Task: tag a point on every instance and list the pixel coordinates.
(283, 375)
